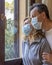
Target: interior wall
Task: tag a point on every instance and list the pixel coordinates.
(38, 1)
(49, 5)
(22, 14)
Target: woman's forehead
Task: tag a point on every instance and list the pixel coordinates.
(26, 21)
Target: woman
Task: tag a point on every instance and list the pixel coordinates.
(34, 44)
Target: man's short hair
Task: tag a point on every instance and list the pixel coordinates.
(41, 8)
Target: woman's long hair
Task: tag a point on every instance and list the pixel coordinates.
(35, 34)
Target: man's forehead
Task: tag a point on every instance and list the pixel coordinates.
(34, 12)
(34, 9)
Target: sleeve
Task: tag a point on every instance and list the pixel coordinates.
(45, 47)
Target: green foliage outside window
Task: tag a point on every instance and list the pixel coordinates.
(9, 40)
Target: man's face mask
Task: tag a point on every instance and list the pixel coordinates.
(26, 29)
(37, 25)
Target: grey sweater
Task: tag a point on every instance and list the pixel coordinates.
(32, 54)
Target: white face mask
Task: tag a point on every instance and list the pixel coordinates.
(37, 25)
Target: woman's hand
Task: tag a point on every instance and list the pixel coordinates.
(47, 57)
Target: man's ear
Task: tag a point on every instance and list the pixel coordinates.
(43, 15)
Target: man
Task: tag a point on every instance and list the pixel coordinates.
(39, 12)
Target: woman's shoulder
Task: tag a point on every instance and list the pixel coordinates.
(25, 42)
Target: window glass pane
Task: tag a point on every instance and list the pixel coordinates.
(10, 31)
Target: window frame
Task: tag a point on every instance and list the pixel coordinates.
(16, 19)
(16, 36)
(2, 34)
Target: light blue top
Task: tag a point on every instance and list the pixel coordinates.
(32, 54)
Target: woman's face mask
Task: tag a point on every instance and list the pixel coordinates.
(37, 25)
(26, 29)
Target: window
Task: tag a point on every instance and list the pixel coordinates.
(32, 2)
(11, 32)
(28, 4)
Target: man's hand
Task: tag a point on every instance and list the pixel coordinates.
(47, 57)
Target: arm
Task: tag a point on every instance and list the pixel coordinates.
(45, 48)
(47, 57)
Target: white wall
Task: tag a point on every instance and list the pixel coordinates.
(49, 5)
